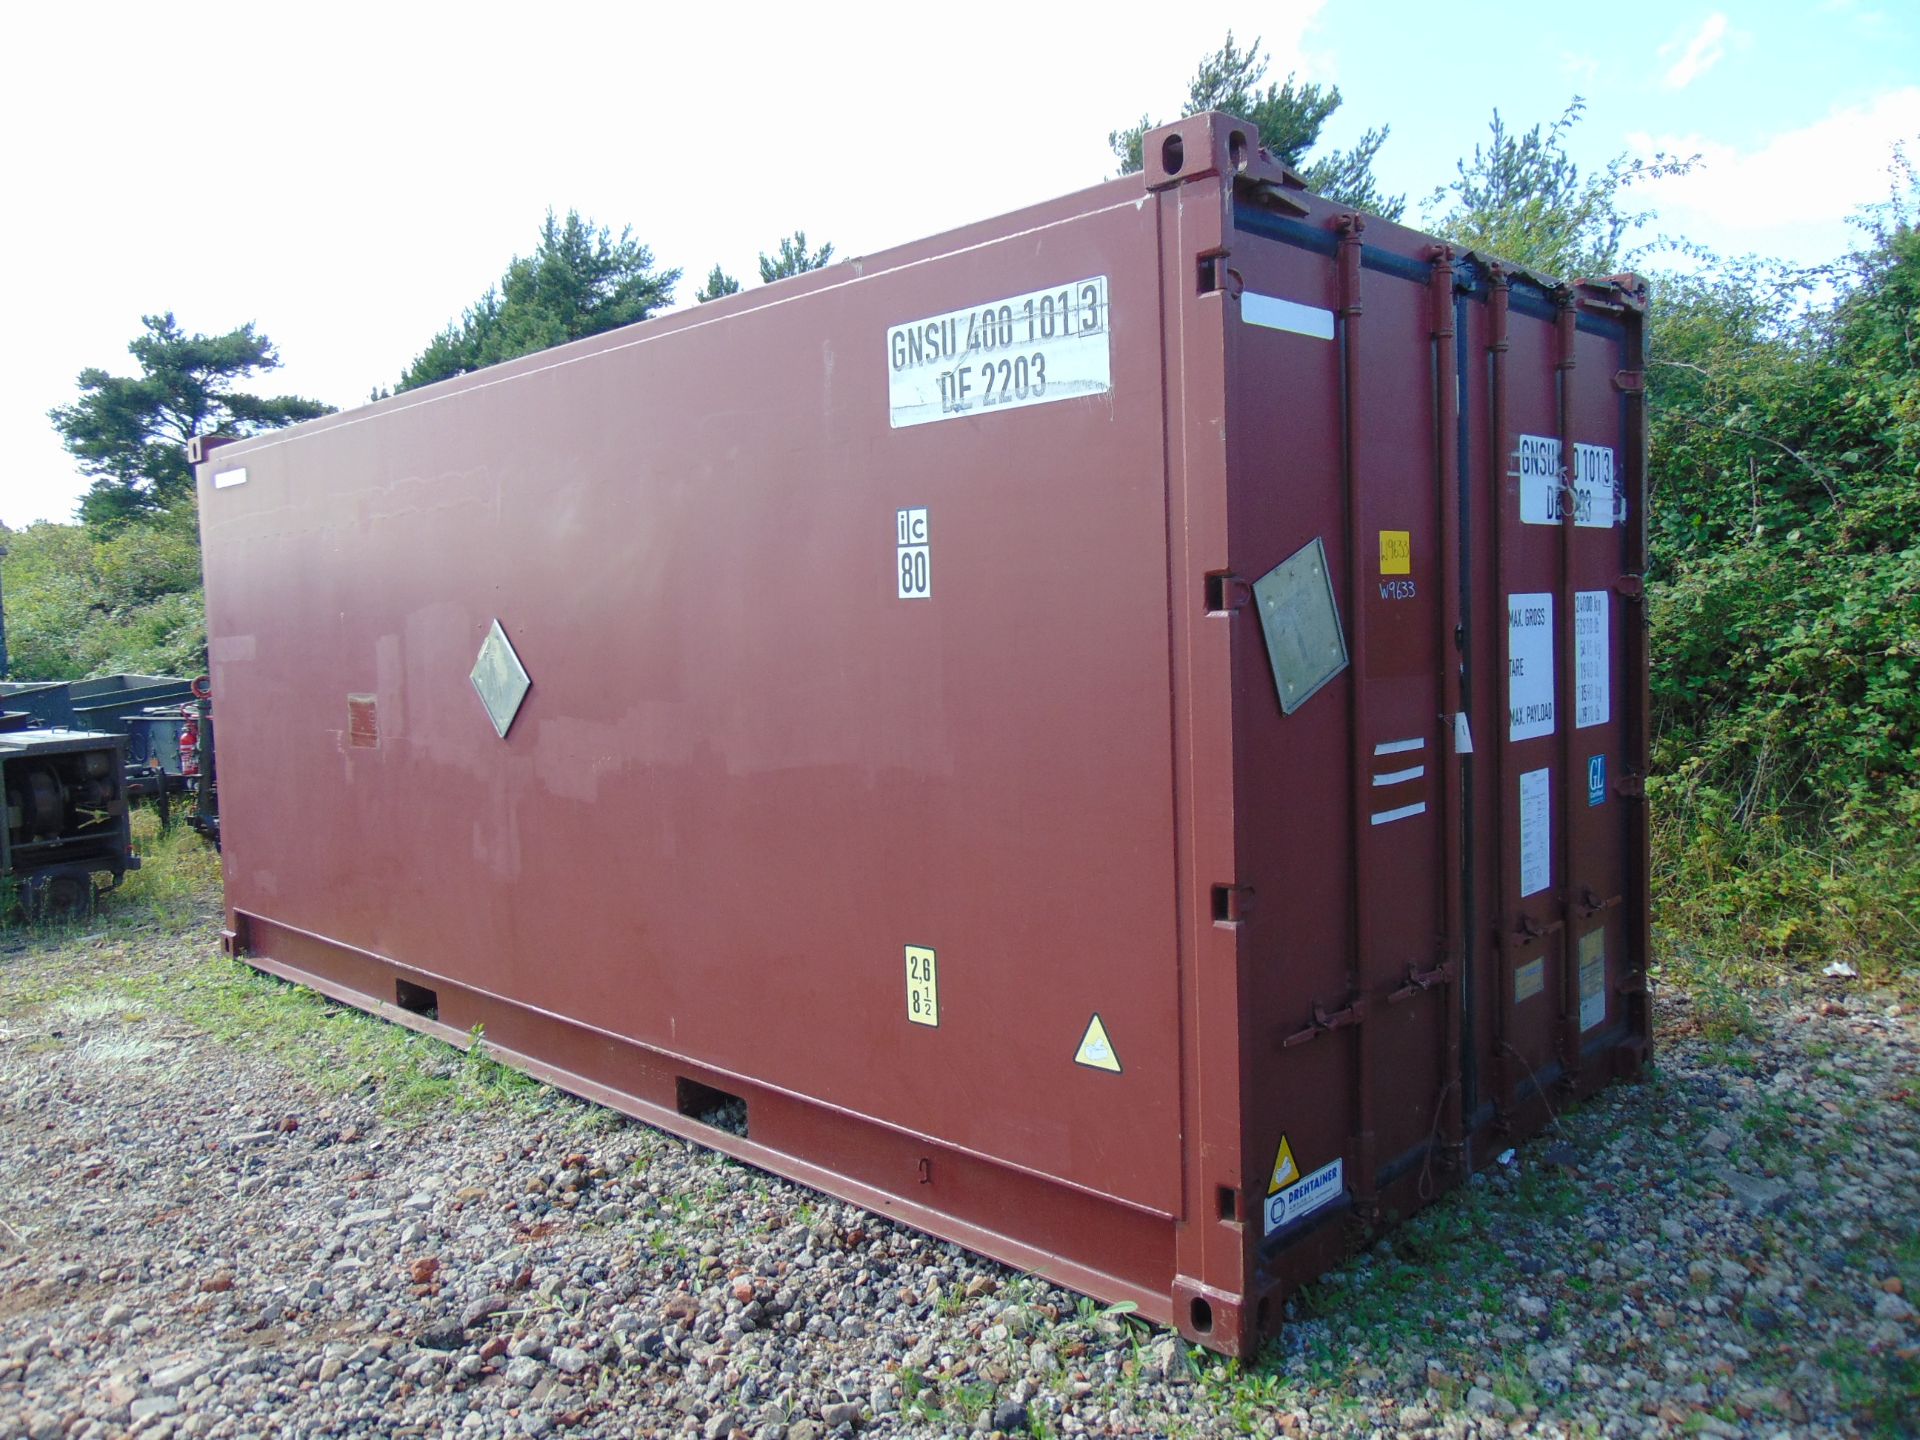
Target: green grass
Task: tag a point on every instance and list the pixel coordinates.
(331, 1047)
(179, 872)
(1747, 907)
(1881, 1389)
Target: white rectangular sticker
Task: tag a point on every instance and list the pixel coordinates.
(1274, 313)
(1597, 501)
(1306, 1195)
(1529, 665)
(222, 479)
(1592, 702)
(1029, 350)
(912, 554)
(1536, 832)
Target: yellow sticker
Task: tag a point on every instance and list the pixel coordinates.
(1096, 1050)
(1285, 1172)
(923, 986)
(1396, 552)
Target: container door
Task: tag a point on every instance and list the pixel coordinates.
(1341, 433)
(1560, 884)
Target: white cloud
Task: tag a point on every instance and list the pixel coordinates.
(1581, 67)
(1790, 194)
(1701, 53)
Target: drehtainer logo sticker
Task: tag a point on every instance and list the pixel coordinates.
(1306, 1195)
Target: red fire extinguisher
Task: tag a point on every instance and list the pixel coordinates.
(190, 741)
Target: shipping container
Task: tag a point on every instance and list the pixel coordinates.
(1114, 735)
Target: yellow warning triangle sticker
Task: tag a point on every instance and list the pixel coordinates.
(1096, 1050)
(1285, 1172)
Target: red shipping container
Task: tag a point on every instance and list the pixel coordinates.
(1114, 735)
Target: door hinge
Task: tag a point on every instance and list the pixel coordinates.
(1630, 382)
(1630, 586)
(1631, 785)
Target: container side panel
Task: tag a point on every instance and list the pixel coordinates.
(756, 774)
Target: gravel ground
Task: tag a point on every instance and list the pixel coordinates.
(208, 1228)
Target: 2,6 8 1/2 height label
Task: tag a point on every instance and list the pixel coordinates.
(1048, 345)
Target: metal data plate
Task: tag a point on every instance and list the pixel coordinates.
(500, 679)
(1301, 621)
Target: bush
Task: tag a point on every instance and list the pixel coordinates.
(80, 605)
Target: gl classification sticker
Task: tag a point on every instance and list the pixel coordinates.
(1031, 349)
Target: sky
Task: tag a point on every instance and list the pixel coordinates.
(349, 177)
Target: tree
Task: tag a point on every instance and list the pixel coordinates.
(580, 280)
(792, 258)
(1289, 117)
(130, 433)
(718, 283)
(1523, 198)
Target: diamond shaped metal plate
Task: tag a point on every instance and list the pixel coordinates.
(1301, 622)
(499, 679)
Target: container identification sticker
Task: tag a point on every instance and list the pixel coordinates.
(1529, 665)
(1593, 979)
(1597, 501)
(923, 986)
(1536, 832)
(1007, 354)
(1592, 702)
(1306, 1195)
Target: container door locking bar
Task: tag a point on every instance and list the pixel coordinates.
(1324, 1021)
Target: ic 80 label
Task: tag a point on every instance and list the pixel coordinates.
(912, 554)
(1030, 349)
